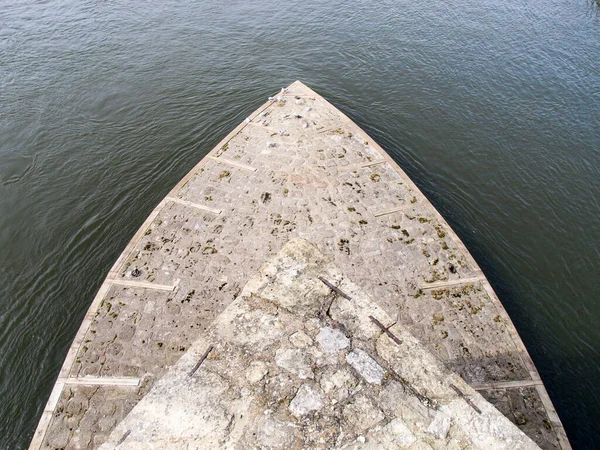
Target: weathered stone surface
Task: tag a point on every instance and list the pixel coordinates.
(256, 371)
(524, 408)
(89, 415)
(285, 399)
(277, 434)
(399, 433)
(300, 340)
(440, 425)
(338, 385)
(362, 414)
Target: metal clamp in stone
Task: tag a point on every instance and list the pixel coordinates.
(383, 328)
(202, 358)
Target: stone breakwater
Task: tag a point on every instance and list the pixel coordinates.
(296, 168)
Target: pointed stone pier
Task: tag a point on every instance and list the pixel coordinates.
(296, 168)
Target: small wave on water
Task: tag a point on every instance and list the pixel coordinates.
(15, 168)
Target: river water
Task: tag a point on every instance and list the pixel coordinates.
(493, 108)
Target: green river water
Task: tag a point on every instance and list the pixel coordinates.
(493, 108)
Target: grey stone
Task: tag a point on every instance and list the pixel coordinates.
(107, 423)
(362, 414)
(256, 371)
(366, 366)
(276, 434)
(399, 433)
(300, 340)
(59, 438)
(339, 384)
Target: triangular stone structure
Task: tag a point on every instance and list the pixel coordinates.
(295, 168)
(293, 363)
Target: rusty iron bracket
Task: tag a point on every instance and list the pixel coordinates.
(201, 361)
(335, 289)
(385, 330)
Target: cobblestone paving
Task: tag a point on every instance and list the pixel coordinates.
(136, 332)
(73, 427)
(319, 177)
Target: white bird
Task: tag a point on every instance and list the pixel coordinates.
(284, 90)
(271, 144)
(297, 116)
(285, 116)
(305, 124)
(282, 132)
(309, 108)
(271, 98)
(247, 119)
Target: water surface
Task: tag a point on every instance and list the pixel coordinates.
(493, 108)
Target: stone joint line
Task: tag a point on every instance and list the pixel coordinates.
(103, 381)
(442, 284)
(194, 205)
(395, 210)
(142, 284)
(505, 385)
(233, 163)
